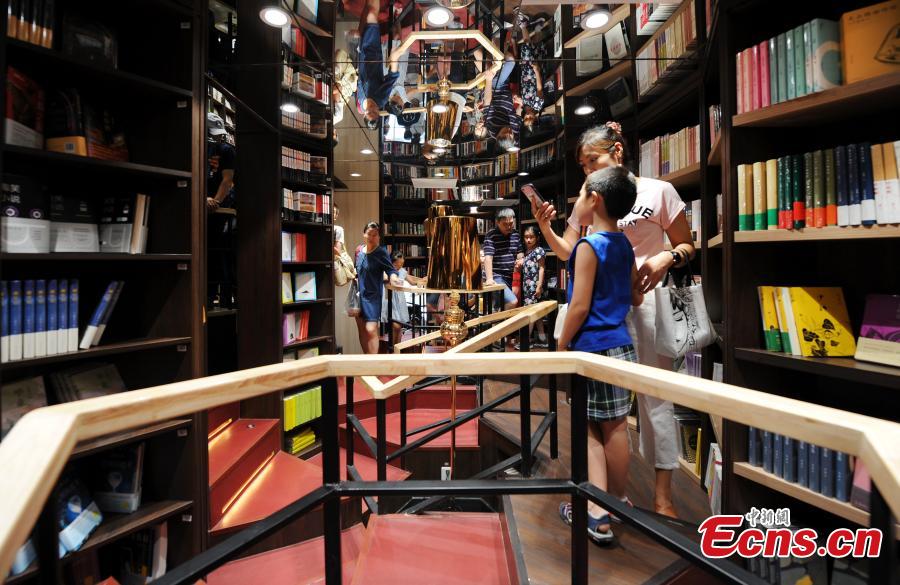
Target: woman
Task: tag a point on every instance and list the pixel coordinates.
(372, 262)
(658, 210)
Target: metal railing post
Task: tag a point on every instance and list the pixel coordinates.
(403, 426)
(579, 475)
(381, 437)
(331, 474)
(883, 568)
(551, 388)
(348, 412)
(525, 407)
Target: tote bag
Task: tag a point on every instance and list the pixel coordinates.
(344, 270)
(352, 303)
(682, 323)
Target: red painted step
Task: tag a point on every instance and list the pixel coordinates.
(466, 435)
(217, 419)
(236, 455)
(437, 396)
(366, 466)
(438, 549)
(297, 564)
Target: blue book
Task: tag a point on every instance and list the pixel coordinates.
(789, 62)
(840, 179)
(781, 49)
(826, 472)
(778, 455)
(4, 321)
(803, 463)
(91, 330)
(767, 451)
(752, 446)
(799, 62)
(72, 337)
(108, 313)
(853, 184)
(813, 477)
(62, 317)
(788, 466)
(28, 320)
(52, 317)
(842, 476)
(40, 318)
(15, 320)
(866, 184)
(774, 96)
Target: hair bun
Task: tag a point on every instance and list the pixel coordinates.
(613, 125)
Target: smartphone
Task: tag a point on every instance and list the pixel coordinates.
(532, 195)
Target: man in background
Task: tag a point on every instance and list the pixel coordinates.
(220, 157)
(374, 87)
(503, 254)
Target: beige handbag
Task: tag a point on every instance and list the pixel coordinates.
(344, 270)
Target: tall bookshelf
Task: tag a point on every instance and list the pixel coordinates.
(155, 333)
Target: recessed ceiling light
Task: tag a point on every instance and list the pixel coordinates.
(595, 18)
(473, 210)
(523, 173)
(485, 190)
(439, 174)
(438, 16)
(366, 151)
(439, 150)
(355, 175)
(274, 16)
(584, 110)
(289, 108)
(512, 148)
(439, 108)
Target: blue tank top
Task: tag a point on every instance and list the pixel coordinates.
(604, 327)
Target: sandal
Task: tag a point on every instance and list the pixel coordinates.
(594, 524)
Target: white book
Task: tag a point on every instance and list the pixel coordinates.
(4, 339)
(891, 183)
(286, 248)
(589, 55)
(115, 237)
(72, 332)
(74, 237)
(22, 235)
(785, 293)
(616, 45)
(878, 184)
(4, 349)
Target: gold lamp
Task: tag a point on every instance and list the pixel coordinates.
(441, 115)
(454, 258)
(453, 331)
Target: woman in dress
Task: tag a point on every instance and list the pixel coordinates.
(372, 263)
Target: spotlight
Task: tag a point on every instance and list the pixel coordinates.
(355, 175)
(438, 16)
(439, 174)
(584, 110)
(513, 148)
(289, 108)
(595, 18)
(439, 150)
(439, 108)
(366, 151)
(274, 16)
(523, 173)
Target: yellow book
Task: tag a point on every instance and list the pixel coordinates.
(772, 194)
(771, 331)
(287, 291)
(759, 196)
(745, 197)
(823, 326)
(786, 321)
(698, 463)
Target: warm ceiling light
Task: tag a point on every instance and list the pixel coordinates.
(289, 108)
(439, 108)
(439, 174)
(355, 175)
(595, 18)
(439, 150)
(438, 16)
(366, 151)
(473, 210)
(513, 148)
(584, 110)
(523, 173)
(274, 16)
(486, 190)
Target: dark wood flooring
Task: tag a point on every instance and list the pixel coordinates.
(632, 559)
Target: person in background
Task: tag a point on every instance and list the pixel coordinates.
(372, 263)
(345, 79)
(374, 87)
(399, 305)
(658, 210)
(530, 84)
(503, 254)
(339, 245)
(533, 275)
(499, 119)
(603, 286)
(220, 157)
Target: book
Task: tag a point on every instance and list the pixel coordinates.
(868, 214)
(287, 291)
(77, 513)
(52, 317)
(745, 194)
(826, 472)
(799, 62)
(141, 227)
(117, 219)
(4, 321)
(782, 321)
(90, 332)
(73, 315)
(768, 458)
(589, 56)
(24, 110)
(879, 336)
(771, 331)
(62, 316)
(808, 189)
(813, 460)
(841, 186)
(87, 381)
(807, 58)
(822, 322)
(782, 54)
(771, 189)
(842, 476)
(18, 398)
(24, 557)
(778, 454)
(878, 184)
(16, 317)
(772, 49)
(754, 77)
(798, 196)
(754, 457)
(40, 318)
(868, 41)
(830, 188)
(24, 223)
(765, 97)
(104, 320)
(825, 48)
(759, 196)
(853, 194)
(116, 479)
(28, 332)
(304, 286)
(785, 214)
(790, 64)
(802, 463)
(861, 490)
(789, 469)
(818, 186)
(891, 182)
(616, 44)
(789, 320)
(739, 76)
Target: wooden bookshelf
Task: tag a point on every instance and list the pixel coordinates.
(618, 15)
(686, 177)
(623, 69)
(689, 469)
(844, 368)
(715, 153)
(99, 444)
(84, 164)
(814, 234)
(715, 241)
(106, 351)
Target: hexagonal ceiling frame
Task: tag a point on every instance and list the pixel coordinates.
(446, 35)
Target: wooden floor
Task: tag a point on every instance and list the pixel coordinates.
(632, 559)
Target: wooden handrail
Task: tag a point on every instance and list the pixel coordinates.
(34, 453)
(482, 320)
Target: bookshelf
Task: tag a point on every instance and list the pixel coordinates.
(155, 332)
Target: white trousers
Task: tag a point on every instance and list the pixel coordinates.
(659, 441)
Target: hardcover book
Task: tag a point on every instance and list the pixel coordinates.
(117, 217)
(24, 110)
(825, 47)
(879, 336)
(821, 320)
(117, 478)
(73, 224)
(304, 286)
(24, 223)
(771, 331)
(869, 38)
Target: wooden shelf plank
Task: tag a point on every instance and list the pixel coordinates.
(796, 491)
(715, 153)
(715, 241)
(688, 468)
(307, 342)
(618, 15)
(301, 304)
(220, 313)
(845, 368)
(94, 257)
(846, 101)
(130, 346)
(686, 177)
(86, 162)
(109, 441)
(813, 234)
(600, 81)
(325, 263)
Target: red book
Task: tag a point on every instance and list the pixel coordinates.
(754, 77)
(739, 66)
(764, 97)
(746, 65)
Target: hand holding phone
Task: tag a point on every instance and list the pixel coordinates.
(533, 196)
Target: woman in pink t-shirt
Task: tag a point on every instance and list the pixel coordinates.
(658, 211)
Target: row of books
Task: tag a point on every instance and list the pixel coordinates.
(649, 16)
(537, 156)
(60, 121)
(851, 185)
(315, 125)
(301, 441)
(293, 40)
(814, 569)
(481, 170)
(476, 192)
(670, 152)
(295, 326)
(806, 321)
(39, 318)
(715, 123)
(506, 163)
(657, 59)
(693, 212)
(218, 97)
(293, 355)
(397, 148)
(403, 172)
(470, 148)
(443, 172)
(483, 225)
(408, 249)
(31, 21)
(302, 407)
(293, 247)
(78, 383)
(399, 191)
(504, 188)
(303, 162)
(298, 286)
(306, 206)
(305, 84)
(34, 222)
(404, 228)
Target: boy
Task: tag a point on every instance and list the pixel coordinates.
(602, 289)
(374, 87)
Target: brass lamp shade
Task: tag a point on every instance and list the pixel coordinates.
(454, 259)
(439, 127)
(433, 212)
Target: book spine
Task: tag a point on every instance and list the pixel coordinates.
(830, 189)
(842, 476)
(797, 197)
(819, 198)
(808, 190)
(802, 463)
(785, 214)
(778, 455)
(788, 311)
(745, 202)
(753, 457)
(855, 213)
(840, 184)
(767, 453)
(891, 182)
(878, 185)
(4, 322)
(799, 62)
(772, 49)
(813, 482)
(73, 315)
(782, 322)
(40, 318)
(739, 73)
(826, 472)
(759, 196)
(772, 194)
(108, 313)
(808, 58)
(826, 47)
(788, 467)
(62, 317)
(52, 318)
(28, 320)
(765, 96)
(15, 320)
(868, 215)
(789, 64)
(755, 81)
(781, 52)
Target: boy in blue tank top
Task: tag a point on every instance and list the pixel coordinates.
(602, 289)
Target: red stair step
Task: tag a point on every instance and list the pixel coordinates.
(366, 466)
(437, 396)
(235, 455)
(220, 417)
(297, 564)
(466, 434)
(439, 549)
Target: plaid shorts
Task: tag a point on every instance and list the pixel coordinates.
(605, 401)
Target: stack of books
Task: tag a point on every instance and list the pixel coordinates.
(806, 321)
(293, 247)
(302, 407)
(302, 440)
(670, 152)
